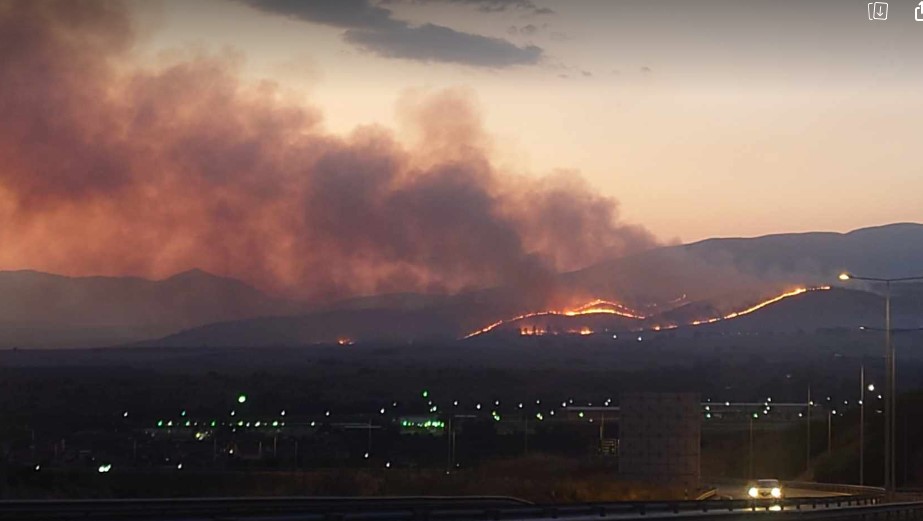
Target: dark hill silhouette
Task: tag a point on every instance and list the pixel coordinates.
(43, 310)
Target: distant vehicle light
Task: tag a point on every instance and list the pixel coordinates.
(776, 492)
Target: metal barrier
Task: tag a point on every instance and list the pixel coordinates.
(214, 508)
(400, 509)
(836, 487)
(864, 506)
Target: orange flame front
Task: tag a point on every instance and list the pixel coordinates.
(594, 307)
(600, 306)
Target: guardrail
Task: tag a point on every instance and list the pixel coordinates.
(857, 490)
(484, 508)
(219, 508)
(397, 509)
(707, 494)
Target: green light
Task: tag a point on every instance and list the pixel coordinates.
(581, 414)
(160, 423)
(242, 398)
(425, 393)
(275, 424)
(213, 423)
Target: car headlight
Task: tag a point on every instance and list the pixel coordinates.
(753, 492)
(776, 492)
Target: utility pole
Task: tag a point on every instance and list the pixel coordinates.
(369, 446)
(602, 428)
(750, 473)
(889, 395)
(861, 425)
(808, 443)
(525, 434)
(449, 438)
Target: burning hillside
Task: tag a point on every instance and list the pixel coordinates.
(551, 320)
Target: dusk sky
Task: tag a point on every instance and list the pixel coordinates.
(733, 118)
(327, 149)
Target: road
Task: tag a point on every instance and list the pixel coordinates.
(740, 492)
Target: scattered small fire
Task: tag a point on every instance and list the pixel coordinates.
(539, 331)
(600, 306)
(344, 341)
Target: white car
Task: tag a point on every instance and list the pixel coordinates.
(765, 489)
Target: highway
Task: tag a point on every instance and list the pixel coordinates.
(802, 500)
(740, 492)
(417, 509)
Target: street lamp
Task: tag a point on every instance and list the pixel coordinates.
(871, 388)
(750, 451)
(890, 387)
(862, 389)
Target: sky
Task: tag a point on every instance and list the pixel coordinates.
(703, 119)
(328, 149)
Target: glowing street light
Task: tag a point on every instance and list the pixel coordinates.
(890, 387)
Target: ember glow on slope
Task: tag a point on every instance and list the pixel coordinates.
(603, 307)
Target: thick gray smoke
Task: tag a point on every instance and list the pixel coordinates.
(110, 168)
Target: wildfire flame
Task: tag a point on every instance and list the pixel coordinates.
(761, 305)
(594, 307)
(600, 306)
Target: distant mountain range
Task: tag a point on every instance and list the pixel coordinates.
(43, 310)
(673, 285)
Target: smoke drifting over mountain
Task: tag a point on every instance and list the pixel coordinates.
(111, 168)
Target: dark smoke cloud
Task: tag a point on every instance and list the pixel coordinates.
(372, 28)
(106, 168)
(496, 6)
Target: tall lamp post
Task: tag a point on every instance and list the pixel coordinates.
(862, 389)
(889, 393)
(750, 451)
(871, 387)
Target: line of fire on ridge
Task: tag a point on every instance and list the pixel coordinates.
(596, 307)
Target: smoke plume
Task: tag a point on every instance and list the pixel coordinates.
(108, 167)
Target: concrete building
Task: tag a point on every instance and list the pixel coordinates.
(660, 437)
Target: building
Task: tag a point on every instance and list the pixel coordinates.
(660, 437)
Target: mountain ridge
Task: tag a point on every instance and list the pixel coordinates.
(715, 273)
